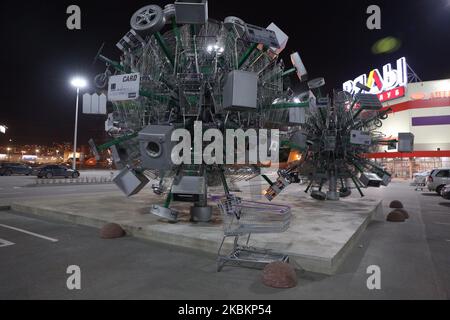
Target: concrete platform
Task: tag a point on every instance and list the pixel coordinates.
(320, 235)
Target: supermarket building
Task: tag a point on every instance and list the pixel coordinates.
(422, 108)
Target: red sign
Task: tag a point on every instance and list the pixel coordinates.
(391, 94)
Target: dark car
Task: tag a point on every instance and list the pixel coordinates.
(51, 171)
(7, 169)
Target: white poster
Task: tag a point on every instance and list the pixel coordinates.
(124, 87)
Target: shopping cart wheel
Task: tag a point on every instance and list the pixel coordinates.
(220, 264)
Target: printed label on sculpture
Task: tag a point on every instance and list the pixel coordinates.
(124, 87)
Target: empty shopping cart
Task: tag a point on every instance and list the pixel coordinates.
(243, 218)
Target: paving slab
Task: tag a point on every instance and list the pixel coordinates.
(320, 235)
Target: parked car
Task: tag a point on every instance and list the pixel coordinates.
(51, 171)
(437, 179)
(445, 192)
(9, 168)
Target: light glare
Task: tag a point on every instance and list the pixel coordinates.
(78, 82)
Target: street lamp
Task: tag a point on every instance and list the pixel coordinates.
(78, 83)
(9, 156)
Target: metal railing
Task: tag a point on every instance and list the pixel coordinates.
(80, 180)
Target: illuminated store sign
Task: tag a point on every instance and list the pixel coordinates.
(388, 85)
(391, 94)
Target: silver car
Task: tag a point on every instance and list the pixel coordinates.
(437, 179)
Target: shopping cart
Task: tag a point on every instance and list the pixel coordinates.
(243, 218)
(420, 182)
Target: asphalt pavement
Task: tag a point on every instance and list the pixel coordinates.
(413, 257)
(18, 187)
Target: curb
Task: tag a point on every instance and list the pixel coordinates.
(207, 245)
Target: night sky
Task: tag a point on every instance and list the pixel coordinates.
(39, 54)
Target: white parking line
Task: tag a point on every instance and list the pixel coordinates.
(30, 233)
(5, 243)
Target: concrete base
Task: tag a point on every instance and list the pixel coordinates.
(320, 235)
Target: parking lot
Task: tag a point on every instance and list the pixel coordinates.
(414, 257)
(17, 186)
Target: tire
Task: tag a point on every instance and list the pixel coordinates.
(169, 12)
(237, 23)
(101, 80)
(345, 192)
(318, 195)
(439, 189)
(75, 175)
(148, 20)
(48, 175)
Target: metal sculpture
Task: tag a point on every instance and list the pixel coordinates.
(337, 133)
(227, 75)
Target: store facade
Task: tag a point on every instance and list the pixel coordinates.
(422, 108)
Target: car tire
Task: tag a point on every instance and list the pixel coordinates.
(48, 175)
(439, 189)
(75, 175)
(148, 20)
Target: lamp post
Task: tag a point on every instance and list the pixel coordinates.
(78, 83)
